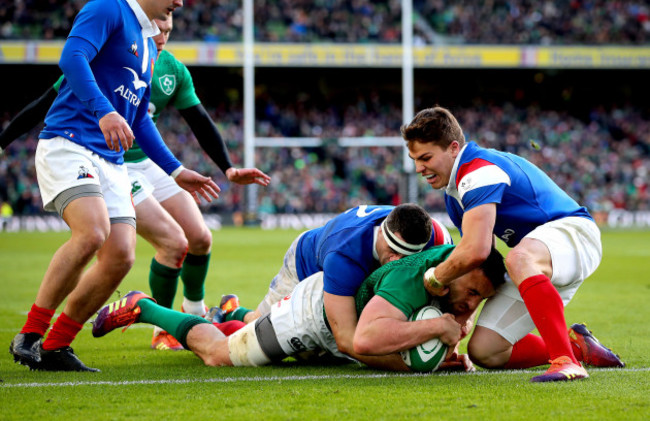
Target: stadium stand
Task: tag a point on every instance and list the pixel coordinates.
(550, 22)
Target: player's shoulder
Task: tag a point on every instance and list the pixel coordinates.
(105, 8)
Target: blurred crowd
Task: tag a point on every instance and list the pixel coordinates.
(546, 22)
(602, 161)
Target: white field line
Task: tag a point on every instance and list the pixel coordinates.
(292, 378)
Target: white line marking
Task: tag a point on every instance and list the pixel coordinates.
(294, 378)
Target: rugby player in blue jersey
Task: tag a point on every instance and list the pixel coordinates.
(101, 107)
(556, 246)
(347, 249)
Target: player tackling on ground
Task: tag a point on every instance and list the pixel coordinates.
(385, 301)
(556, 246)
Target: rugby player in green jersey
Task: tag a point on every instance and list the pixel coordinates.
(385, 301)
(166, 216)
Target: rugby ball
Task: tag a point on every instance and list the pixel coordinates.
(428, 356)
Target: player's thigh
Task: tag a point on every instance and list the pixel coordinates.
(118, 252)
(186, 212)
(575, 249)
(156, 226)
(284, 282)
(299, 322)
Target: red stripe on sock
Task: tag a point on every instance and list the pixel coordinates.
(545, 307)
(228, 328)
(63, 333)
(38, 320)
(530, 351)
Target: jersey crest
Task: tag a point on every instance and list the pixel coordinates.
(167, 84)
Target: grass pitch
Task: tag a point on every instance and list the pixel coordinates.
(137, 382)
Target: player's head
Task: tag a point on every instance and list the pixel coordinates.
(165, 26)
(466, 292)
(434, 139)
(159, 9)
(406, 230)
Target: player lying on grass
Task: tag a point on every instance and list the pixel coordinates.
(385, 301)
(347, 249)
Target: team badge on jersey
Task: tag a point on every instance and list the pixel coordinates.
(167, 84)
(134, 49)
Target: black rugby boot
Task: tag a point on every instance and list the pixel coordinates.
(25, 347)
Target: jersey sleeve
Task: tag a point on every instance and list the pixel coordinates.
(96, 22)
(479, 182)
(57, 84)
(342, 276)
(403, 288)
(186, 95)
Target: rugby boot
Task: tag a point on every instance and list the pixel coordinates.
(589, 350)
(62, 359)
(25, 347)
(229, 303)
(163, 341)
(121, 313)
(215, 315)
(562, 369)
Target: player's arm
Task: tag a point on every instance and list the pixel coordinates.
(342, 317)
(28, 117)
(208, 136)
(472, 249)
(385, 329)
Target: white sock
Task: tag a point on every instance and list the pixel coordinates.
(194, 307)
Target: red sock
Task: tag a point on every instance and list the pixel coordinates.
(547, 311)
(530, 351)
(38, 320)
(62, 334)
(228, 328)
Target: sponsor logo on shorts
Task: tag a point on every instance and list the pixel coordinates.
(84, 173)
(135, 188)
(297, 345)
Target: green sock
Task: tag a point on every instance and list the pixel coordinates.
(176, 323)
(238, 314)
(163, 282)
(193, 273)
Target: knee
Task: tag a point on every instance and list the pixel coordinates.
(517, 260)
(91, 240)
(488, 354)
(200, 244)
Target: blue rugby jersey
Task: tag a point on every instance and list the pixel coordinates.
(113, 38)
(344, 248)
(525, 196)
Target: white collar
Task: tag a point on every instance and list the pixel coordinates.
(451, 189)
(374, 243)
(149, 27)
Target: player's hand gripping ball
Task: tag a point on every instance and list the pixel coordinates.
(428, 356)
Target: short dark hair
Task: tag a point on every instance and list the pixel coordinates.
(494, 268)
(412, 222)
(435, 125)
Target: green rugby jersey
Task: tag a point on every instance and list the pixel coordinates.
(171, 83)
(400, 282)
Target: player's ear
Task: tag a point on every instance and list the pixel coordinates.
(394, 256)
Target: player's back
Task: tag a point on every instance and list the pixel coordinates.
(526, 196)
(350, 233)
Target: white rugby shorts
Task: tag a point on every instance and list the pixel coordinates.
(284, 282)
(147, 178)
(298, 319)
(62, 165)
(576, 252)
